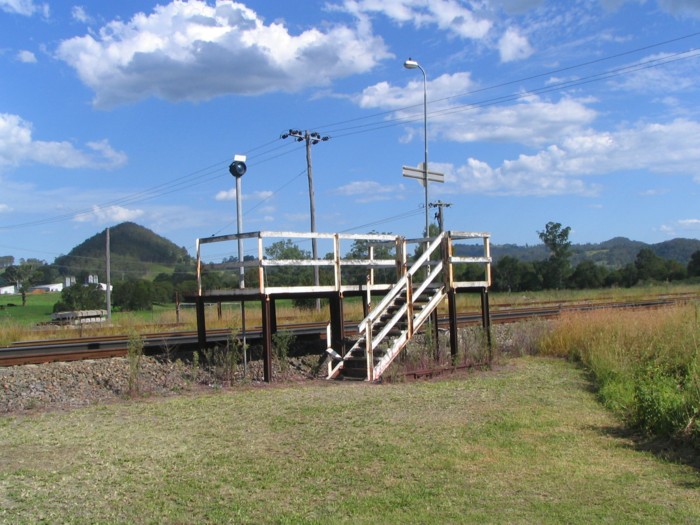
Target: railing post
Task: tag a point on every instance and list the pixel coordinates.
(261, 270)
(487, 253)
(336, 260)
(199, 269)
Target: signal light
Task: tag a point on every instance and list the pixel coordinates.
(237, 168)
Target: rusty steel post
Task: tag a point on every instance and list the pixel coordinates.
(273, 316)
(337, 341)
(201, 324)
(454, 336)
(486, 318)
(267, 338)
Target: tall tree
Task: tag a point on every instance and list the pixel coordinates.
(287, 275)
(650, 266)
(360, 250)
(81, 297)
(557, 267)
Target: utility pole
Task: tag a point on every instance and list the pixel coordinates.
(439, 215)
(311, 138)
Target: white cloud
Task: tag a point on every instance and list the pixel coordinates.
(230, 195)
(532, 120)
(680, 227)
(24, 7)
(26, 56)
(371, 191)
(527, 175)
(681, 7)
(672, 148)
(194, 51)
(690, 224)
(80, 14)
(226, 195)
(384, 95)
(655, 192)
(109, 214)
(520, 6)
(674, 74)
(4, 208)
(513, 46)
(448, 15)
(17, 147)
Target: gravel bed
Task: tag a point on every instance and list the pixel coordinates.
(66, 385)
(79, 383)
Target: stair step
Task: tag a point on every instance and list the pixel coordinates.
(354, 373)
(394, 332)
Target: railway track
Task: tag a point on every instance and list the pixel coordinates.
(35, 352)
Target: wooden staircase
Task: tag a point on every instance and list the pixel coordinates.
(388, 328)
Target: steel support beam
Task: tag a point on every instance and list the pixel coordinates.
(337, 325)
(454, 336)
(201, 324)
(486, 318)
(267, 338)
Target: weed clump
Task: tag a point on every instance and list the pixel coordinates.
(135, 353)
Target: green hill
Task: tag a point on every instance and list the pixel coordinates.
(135, 251)
(614, 253)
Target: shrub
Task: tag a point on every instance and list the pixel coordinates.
(282, 342)
(660, 406)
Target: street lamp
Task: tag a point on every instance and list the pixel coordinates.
(413, 64)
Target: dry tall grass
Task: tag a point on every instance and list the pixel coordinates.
(646, 363)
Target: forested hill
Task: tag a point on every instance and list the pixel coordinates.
(615, 253)
(134, 250)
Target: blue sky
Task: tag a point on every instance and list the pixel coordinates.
(582, 112)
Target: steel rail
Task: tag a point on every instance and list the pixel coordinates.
(36, 352)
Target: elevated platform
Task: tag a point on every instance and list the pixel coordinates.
(366, 266)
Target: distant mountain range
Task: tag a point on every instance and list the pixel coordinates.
(137, 251)
(615, 253)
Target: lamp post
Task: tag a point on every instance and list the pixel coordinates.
(238, 168)
(413, 64)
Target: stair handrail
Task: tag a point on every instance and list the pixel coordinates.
(402, 283)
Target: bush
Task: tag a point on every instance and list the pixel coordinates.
(660, 406)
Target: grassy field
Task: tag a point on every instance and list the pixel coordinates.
(525, 443)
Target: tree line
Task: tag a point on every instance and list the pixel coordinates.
(557, 272)
(509, 274)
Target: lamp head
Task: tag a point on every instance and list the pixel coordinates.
(238, 168)
(410, 63)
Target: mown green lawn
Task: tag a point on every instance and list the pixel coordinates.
(526, 443)
(38, 307)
